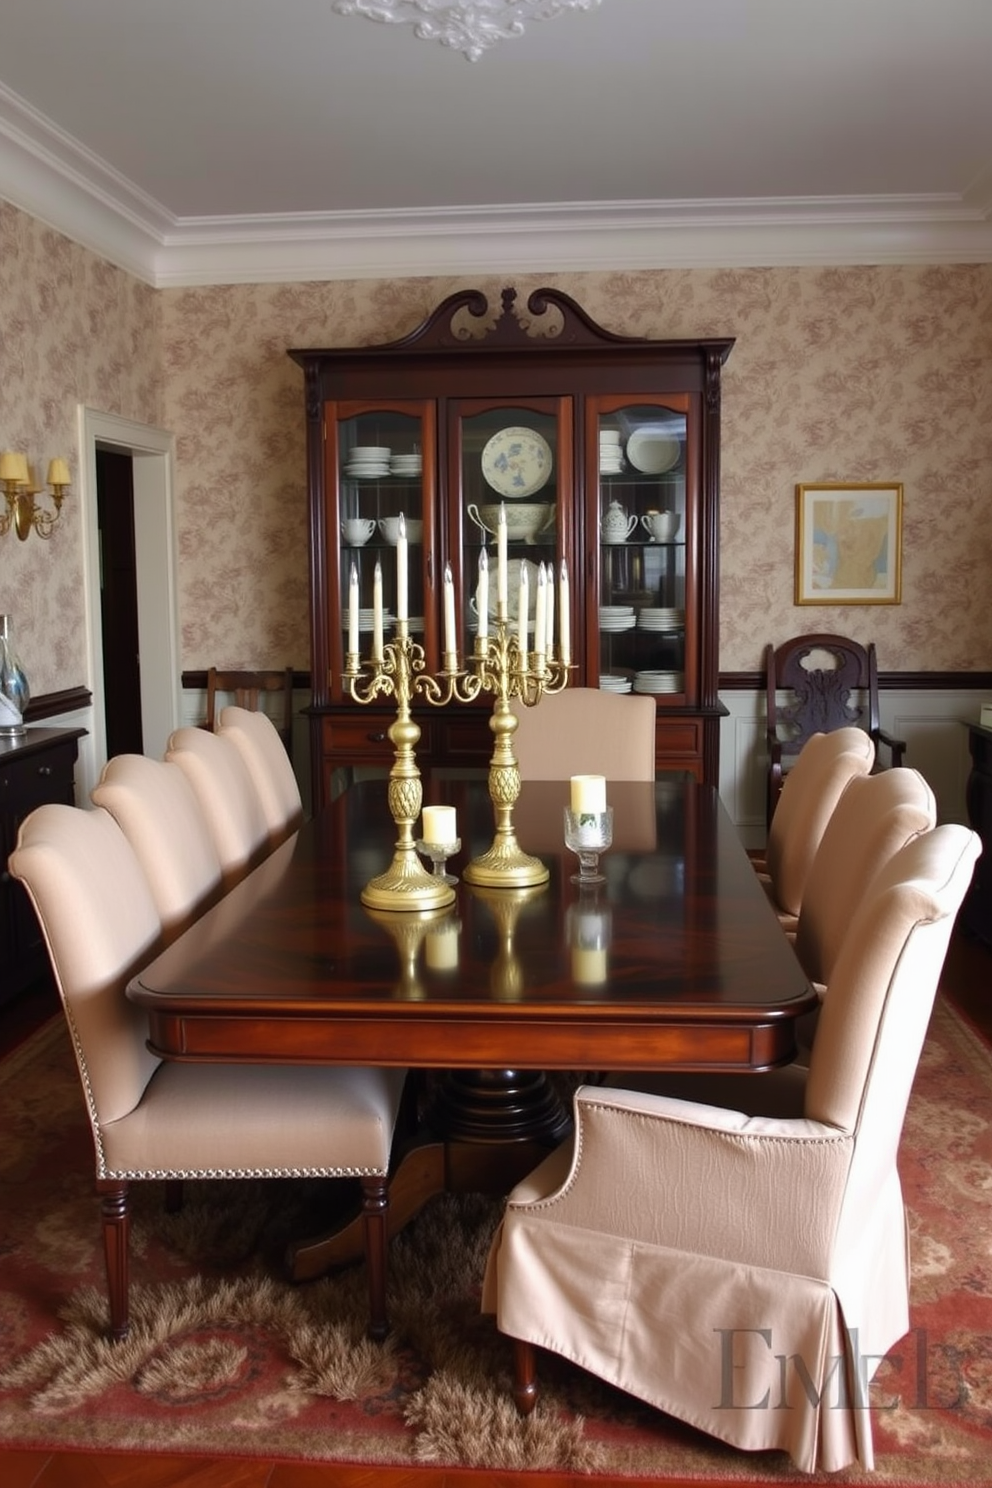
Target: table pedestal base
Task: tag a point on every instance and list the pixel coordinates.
(497, 1126)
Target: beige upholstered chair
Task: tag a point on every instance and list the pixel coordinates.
(257, 740)
(155, 807)
(228, 799)
(183, 1121)
(583, 731)
(707, 1260)
(812, 789)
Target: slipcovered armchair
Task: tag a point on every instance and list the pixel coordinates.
(584, 731)
(229, 802)
(714, 1261)
(173, 1121)
(257, 740)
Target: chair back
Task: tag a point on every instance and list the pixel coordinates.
(100, 925)
(874, 1020)
(155, 807)
(257, 741)
(584, 731)
(811, 791)
(248, 688)
(875, 817)
(821, 671)
(227, 798)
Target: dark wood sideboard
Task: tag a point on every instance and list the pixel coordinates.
(976, 912)
(35, 769)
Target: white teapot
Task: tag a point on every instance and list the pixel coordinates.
(615, 525)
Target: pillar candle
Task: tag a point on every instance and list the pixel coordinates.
(524, 603)
(450, 649)
(482, 596)
(401, 571)
(439, 824)
(377, 613)
(501, 562)
(565, 618)
(588, 793)
(541, 612)
(353, 612)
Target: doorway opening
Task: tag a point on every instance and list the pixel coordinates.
(118, 602)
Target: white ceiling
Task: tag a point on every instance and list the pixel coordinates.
(200, 141)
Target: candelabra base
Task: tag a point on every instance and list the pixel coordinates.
(505, 866)
(406, 885)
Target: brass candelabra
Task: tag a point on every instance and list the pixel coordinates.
(400, 673)
(501, 668)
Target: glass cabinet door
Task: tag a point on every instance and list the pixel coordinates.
(636, 453)
(380, 460)
(518, 457)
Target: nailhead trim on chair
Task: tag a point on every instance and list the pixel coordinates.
(139, 1173)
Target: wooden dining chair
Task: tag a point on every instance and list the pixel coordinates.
(247, 689)
(830, 682)
(176, 1121)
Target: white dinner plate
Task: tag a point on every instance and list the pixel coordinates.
(517, 462)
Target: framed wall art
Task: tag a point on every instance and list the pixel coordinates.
(848, 544)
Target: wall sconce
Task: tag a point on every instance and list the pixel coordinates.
(20, 488)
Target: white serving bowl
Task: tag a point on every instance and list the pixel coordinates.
(390, 529)
(525, 520)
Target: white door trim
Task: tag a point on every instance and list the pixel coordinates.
(156, 558)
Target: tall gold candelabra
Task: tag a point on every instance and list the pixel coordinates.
(502, 669)
(499, 668)
(399, 673)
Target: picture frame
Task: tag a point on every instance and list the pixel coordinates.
(849, 543)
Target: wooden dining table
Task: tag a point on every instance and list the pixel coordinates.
(676, 961)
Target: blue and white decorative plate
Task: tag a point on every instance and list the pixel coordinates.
(517, 462)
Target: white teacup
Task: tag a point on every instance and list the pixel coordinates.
(356, 531)
(390, 529)
(661, 526)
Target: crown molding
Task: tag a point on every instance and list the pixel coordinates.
(48, 174)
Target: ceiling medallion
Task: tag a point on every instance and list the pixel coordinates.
(467, 28)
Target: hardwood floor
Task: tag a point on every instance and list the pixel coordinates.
(967, 981)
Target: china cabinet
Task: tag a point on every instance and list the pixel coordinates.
(602, 451)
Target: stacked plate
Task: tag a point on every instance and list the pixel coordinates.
(616, 617)
(610, 452)
(406, 465)
(366, 619)
(367, 461)
(612, 682)
(656, 682)
(656, 617)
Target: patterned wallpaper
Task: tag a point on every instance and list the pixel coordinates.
(852, 374)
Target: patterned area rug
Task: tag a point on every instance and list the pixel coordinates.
(226, 1357)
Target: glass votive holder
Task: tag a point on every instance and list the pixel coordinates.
(587, 834)
(439, 853)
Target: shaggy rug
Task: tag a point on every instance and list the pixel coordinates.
(226, 1357)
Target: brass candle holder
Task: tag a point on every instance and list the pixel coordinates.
(503, 670)
(399, 673)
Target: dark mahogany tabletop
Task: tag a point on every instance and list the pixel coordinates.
(676, 961)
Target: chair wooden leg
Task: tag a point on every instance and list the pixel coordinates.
(524, 1376)
(375, 1206)
(116, 1235)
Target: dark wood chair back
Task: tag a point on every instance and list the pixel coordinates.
(244, 689)
(821, 699)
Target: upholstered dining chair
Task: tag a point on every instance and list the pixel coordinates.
(249, 690)
(584, 731)
(815, 784)
(156, 808)
(168, 1121)
(709, 1260)
(257, 740)
(829, 682)
(228, 800)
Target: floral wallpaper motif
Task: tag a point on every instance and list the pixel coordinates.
(852, 374)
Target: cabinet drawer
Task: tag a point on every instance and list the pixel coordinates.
(360, 741)
(677, 738)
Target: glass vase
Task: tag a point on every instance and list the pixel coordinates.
(14, 690)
